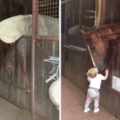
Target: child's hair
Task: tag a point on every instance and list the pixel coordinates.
(91, 72)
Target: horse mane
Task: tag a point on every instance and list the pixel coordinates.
(106, 32)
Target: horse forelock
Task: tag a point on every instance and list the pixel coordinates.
(105, 32)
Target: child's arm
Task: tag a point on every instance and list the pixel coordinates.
(106, 74)
(88, 78)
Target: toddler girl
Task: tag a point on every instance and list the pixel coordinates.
(95, 80)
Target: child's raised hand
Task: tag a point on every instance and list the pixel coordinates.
(87, 73)
(106, 71)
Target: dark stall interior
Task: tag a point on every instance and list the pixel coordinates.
(11, 8)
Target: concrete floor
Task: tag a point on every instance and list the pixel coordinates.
(10, 112)
(73, 102)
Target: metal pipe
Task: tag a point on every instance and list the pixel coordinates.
(5, 56)
(54, 38)
(34, 33)
(22, 66)
(32, 76)
(103, 12)
(66, 1)
(80, 14)
(13, 84)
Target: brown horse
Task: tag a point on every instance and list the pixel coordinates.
(97, 41)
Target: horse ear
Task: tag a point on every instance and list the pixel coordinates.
(83, 33)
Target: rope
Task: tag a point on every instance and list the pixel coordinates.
(91, 57)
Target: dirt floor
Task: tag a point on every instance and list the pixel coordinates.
(73, 102)
(10, 112)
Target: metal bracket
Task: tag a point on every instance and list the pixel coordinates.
(52, 60)
(54, 71)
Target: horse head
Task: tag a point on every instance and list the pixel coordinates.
(97, 48)
(98, 40)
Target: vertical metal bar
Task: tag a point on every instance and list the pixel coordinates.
(34, 19)
(66, 14)
(34, 33)
(103, 12)
(80, 14)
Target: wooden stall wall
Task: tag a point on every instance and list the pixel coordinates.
(43, 106)
(12, 72)
(75, 65)
(110, 101)
(112, 11)
(75, 62)
(110, 97)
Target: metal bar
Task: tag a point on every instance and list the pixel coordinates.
(80, 49)
(103, 12)
(22, 66)
(13, 84)
(35, 19)
(5, 56)
(34, 33)
(66, 18)
(53, 38)
(63, 2)
(51, 61)
(80, 14)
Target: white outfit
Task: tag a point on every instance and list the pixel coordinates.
(96, 81)
(93, 92)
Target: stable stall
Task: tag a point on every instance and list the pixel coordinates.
(32, 37)
(89, 15)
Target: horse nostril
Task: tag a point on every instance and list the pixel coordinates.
(101, 66)
(92, 48)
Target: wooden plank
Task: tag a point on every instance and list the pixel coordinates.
(43, 105)
(10, 70)
(28, 70)
(39, 48)
(15, 78)
(48, 105)
(118, 107)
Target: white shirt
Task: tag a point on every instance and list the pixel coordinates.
(96, 81)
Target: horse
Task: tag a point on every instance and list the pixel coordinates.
(98, 40)
(13, 28)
